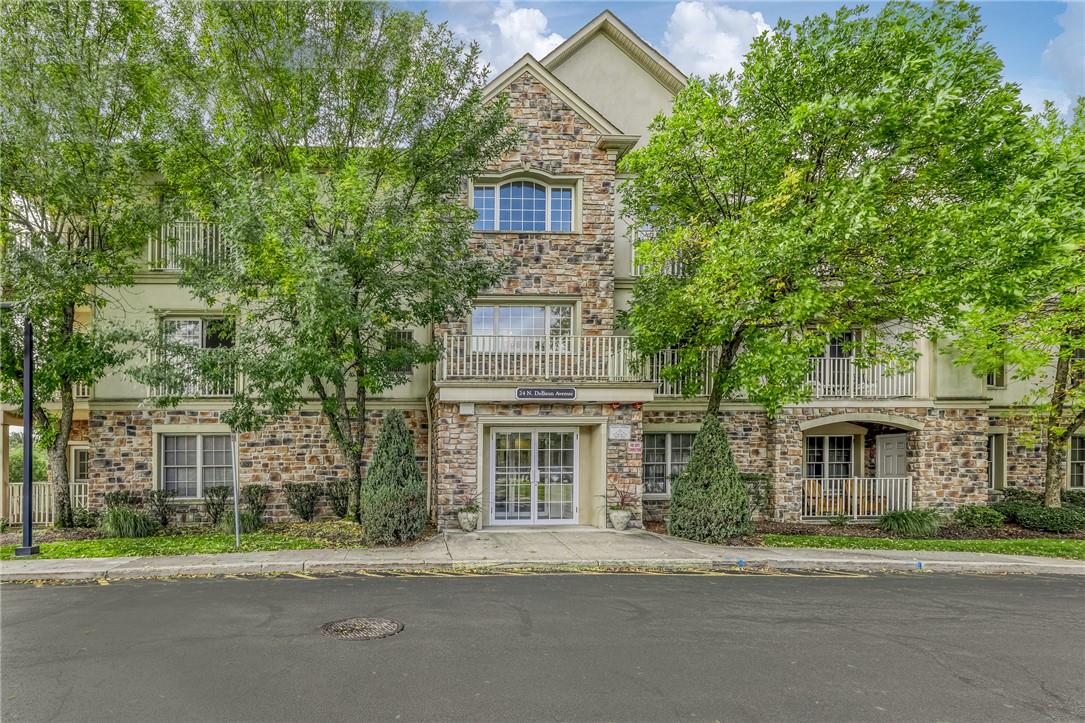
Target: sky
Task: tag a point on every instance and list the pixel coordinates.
(1042, 44)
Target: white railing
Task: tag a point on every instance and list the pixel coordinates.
(198, 386)
(674, 388)
(844, 378)
(543, 358)
(671, 268)
(43, 501)
(81, 391)
(187, 238)
(856, 496)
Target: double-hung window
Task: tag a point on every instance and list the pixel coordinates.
(198, 334)
(829, 457)
(523, 206)
(666, 454)
(190, 463)
(1077, 462)
(521, 327)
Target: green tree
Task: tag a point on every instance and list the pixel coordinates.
(393, 498)
(15, 460)
(77, 95)
(709, 499)
(1038, 330)
(848, 178)
(330, 141)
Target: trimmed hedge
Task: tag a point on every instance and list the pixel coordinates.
(978, 516)
(302, 498)
(1051, 519)
(393, 496)
(337, 492)
(710, 502)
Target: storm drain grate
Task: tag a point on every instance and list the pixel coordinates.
(361, 628)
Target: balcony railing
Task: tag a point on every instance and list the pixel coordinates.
(43, 501)
(856, 497)
(846, 378)
(197, 386)
(187, 238)
(671, 268)
(541, 358)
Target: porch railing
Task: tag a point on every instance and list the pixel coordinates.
(44, 499)
(856, 496)
(196, 385)
(544, 358)
(186, 238)
(846, 378)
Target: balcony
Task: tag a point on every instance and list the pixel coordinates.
(847, 378)
(186, 238)
(195, 385)
(537, 358)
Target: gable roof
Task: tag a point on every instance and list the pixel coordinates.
(643, 54)
(612, 136)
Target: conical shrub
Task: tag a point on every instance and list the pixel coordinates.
(709, 500)
(393, 497)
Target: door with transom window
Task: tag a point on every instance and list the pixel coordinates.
(533, 476)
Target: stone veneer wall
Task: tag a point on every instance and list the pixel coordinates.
(1025, 458)
(296, 448)
(578, 264)
(456, 449)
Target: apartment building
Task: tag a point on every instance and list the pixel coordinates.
(538, 409)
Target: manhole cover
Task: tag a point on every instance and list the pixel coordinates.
(361, 628)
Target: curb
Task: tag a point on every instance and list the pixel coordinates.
(125, 570)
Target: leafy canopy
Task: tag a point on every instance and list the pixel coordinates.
(850, 176)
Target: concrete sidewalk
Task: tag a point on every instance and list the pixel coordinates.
(542, 549)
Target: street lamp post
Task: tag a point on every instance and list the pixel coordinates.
(28, 546)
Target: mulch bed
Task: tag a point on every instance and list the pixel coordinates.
(948, 531)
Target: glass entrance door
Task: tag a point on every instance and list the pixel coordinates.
(533, 476)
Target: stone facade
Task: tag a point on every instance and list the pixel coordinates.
(1025, 457)
(296, 448)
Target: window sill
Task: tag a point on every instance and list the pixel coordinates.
(494, 232)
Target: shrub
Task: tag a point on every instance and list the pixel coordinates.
(838, 520)
(215, 498)
(3, 524)
(127, 521)
(338, 493)
(159, 504)
(1009, 509)
(82, 517)
(760, 490)
(121, 498)
(1051, 519)
(250, 521)
(978, 516)
(910, 523)
(301, 498)
(1016, 494)
(255, 497)
(1074, 498)
(393, 497)
(709, 500)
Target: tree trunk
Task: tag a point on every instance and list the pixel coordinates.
(1054, 434)
(57, 453)
(723, 369)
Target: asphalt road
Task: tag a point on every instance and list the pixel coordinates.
(560, 647)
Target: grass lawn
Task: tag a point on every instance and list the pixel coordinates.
(192, 544)
(1073, 549)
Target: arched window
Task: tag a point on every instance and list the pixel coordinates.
(523, 206)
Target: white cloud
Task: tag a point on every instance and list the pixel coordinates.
(506, 32)
(1065, 54)
(706, 36)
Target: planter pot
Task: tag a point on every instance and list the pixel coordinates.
(619, 519)
(468, 520)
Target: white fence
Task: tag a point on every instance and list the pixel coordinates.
(856, 497)
(43, 500)
(574, 358)
(845, 378)
(187, 238)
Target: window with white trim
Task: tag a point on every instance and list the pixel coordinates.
(1077, 461)
(666, 454)
(523, 205)
(80, 467)
(829, 456)
(521, 327)
(996, 379)
(190, 463)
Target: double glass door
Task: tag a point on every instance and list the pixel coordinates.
(533, 476)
